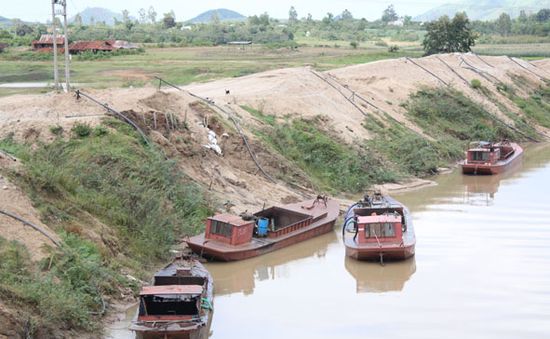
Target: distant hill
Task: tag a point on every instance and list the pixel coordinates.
(99, 15)
(485, 9)
(4, 21)
(223, 15)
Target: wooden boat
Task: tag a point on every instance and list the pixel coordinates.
(485, 157)
(230, 237)
(378, 228)
(179, 303)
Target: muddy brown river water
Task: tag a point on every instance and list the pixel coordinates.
(481, 270)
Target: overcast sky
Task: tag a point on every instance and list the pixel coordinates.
(39, 10)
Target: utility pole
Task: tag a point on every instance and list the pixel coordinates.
(54, 35)
(65, 30)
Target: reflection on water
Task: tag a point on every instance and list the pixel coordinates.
(480, 271)
(241, 276)
(371, 277)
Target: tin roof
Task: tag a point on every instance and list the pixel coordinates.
(379, 218)
(101, 45)
(171, 289)
(231, 219)
(48, 39)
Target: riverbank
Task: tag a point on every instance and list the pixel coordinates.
(118, 202)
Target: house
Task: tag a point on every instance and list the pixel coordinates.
(100, 46)
(92, 46)
(46, 42)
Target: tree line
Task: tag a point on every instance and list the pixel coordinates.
(446, 34)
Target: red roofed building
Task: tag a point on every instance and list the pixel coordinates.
(93, 46)
(46, 41)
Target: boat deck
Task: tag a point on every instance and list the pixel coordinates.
(319, 213)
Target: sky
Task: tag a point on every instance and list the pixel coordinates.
(40, 10)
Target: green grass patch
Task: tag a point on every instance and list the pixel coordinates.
(537, 106)
(332, 164)
(447, 115)
(268, 119)
(64, 291)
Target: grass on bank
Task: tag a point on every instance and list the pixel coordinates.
(107, 173)
(333, 165)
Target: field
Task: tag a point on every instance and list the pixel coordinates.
(184, 65)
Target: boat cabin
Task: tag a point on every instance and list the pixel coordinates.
(271, 223)
(484, 152)
(169, 302)
(379, 228)
(230, 229)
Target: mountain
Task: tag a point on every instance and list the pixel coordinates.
(223, 15)
(4, 21)
(485, 9)
(98, 14)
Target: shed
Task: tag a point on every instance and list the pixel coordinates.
(46, 41)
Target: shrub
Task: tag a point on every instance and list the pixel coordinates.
(353, 44)
(393, 49)
(56, 130)
(475, 83)
(81, 130)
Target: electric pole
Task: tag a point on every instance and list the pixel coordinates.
(65, 44)
(54, 35)
(65, 30)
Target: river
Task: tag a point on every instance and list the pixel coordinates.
(481, 270)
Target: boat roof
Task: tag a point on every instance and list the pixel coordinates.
(171, 289)
(369, 219)
(231, 219)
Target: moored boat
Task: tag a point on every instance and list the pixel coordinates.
(230, 237)
(179, 303)
(484, 157)
(378, 228)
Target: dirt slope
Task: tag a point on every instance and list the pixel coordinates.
(382, 84)
(14, 201)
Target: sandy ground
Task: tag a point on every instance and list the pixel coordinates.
(14, 201)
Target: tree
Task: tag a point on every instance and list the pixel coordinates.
(169, 20)
(125, 16)
(543, 15)
(78, 20)
(504, 24)
(23, 29)
(152, 15)
(522, 16)
(448, 36)
(292, 16)
(142, 15)
(328, 19)
(346, 15)
(389, 14)
(407, 20)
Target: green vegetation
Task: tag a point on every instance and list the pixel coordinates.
(537, 106)
(448, 36)
(268, 119)
(449, 116)
(64, 289)
(108, 174)
(407, 152)
(332, 164)
(475, 83)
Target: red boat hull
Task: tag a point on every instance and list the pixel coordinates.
(213, 249)
(376, 253)
(496, 168)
